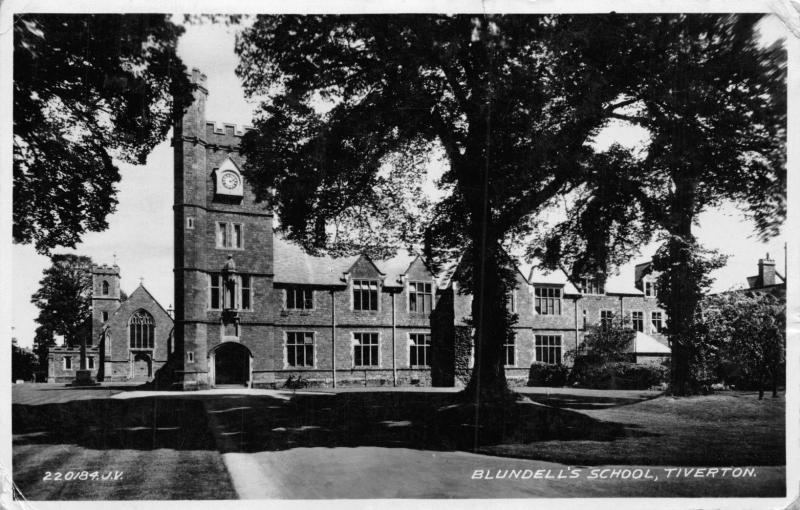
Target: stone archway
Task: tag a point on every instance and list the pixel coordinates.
(231, 364)
(141, 366)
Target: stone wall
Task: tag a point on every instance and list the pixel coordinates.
(56, 373)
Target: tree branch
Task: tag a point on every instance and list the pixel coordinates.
(612, 107)
(629, 118)
(446, 137)
(533, 202)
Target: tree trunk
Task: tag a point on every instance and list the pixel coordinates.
(683, 289)
(775, 383)
(679, 370)
(490, 318)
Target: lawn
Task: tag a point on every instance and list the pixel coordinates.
(724, 429)
(172, 446)
(162, 447)
(583, 427)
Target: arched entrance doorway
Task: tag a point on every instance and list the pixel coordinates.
(142, 366)
(231, 364)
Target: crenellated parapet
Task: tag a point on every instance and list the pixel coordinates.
(224, 135)
(105, 269)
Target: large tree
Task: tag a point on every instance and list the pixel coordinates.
(24, 363)
(43, 341)
(64, 300)
(88, 89)
(746, 330)
(511, 101)
(713, 102)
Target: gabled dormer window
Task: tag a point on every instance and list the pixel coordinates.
(592, 285)
(420, 297)
(649, 287)
(547, 300)
(365, 295)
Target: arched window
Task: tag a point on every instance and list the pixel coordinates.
(105, 288)
(142, 328)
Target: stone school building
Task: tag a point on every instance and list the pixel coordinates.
(251, 308)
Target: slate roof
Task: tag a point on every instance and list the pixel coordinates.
(447, 273)
(395, 267)
(641, 270)
(294, 266)
(620, 285)
(647, 344)
(557, 277)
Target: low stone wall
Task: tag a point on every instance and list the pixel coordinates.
(344, 378)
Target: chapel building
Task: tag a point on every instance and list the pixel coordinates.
(131, 339)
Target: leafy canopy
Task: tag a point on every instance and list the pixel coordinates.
(510, 100)
(610, 341)
(64, 300)
(87, 89)
(517, 94)
(713, 103)
(746, 328)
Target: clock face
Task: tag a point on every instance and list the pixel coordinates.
(230, 180)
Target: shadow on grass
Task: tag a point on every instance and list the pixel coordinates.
(110, 387)
(107, 424)
(251, 423)
(566, 401)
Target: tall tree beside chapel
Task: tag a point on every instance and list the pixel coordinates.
(64, 300)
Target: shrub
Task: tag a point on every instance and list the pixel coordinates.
(294, 383)
(546, 374)
(589, 372)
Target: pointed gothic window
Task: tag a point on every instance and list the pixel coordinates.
(105, 288)
(142, 330)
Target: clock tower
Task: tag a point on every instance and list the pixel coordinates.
(223, 256)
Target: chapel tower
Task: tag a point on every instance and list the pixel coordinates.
(105, 297)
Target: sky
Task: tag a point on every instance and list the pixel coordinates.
(140, 233)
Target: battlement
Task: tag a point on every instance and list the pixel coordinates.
(199, 78)
(225, 129)
(105, 269)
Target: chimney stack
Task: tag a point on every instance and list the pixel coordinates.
(766, 271)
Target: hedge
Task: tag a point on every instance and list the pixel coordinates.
(546, 374)
(589, 373)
